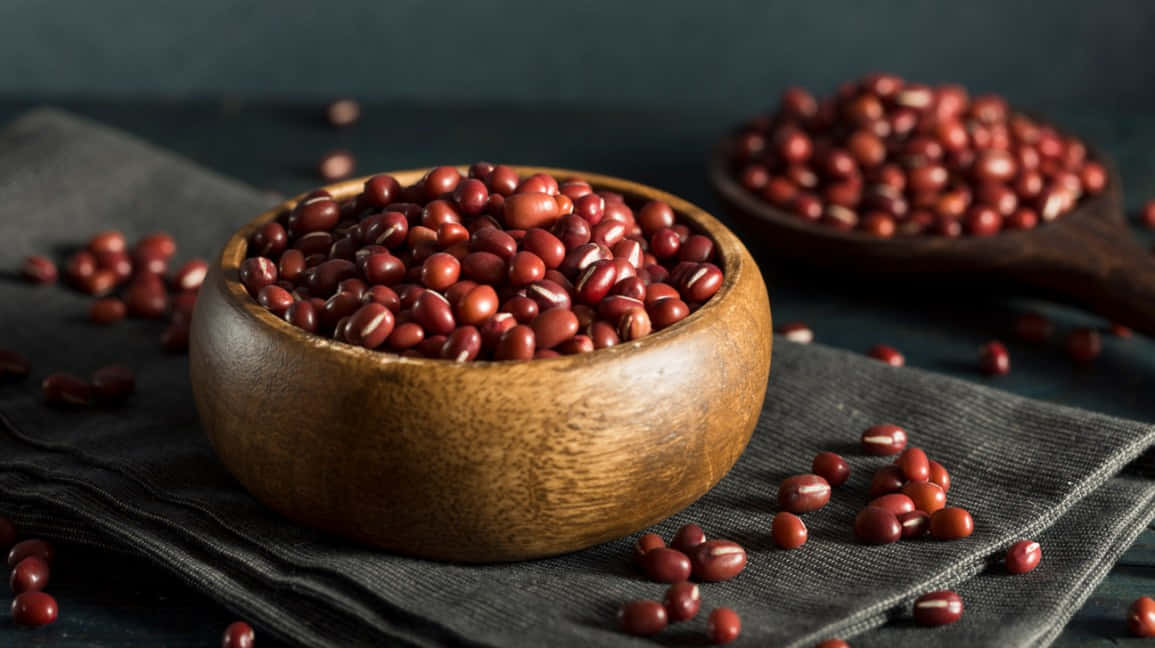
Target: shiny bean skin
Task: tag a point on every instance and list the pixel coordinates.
(642, 618)
(434, 314)
(238, 635)
(603, 334)
(522, 308)
(914, 523)
(803, 493)
(939, 475)
(788, 530)
(896, 503)
(884, 439)
(303, 315)
(914, 464)
(644, 544)
(66, 390)
(1141, 617)
(554, 326)
(275, 299)
(888, 479)
(256, 273)
(405, 336)
(831, 467)
(951, 523)
(34, 609)
(666, 565)
(927, 496)
(688, 538)
(938, 608)
(484, 267)
(702, 283)
(518, 343)
(525, 268)
(634, 324)
(33, 547)
(462, 345)
(1023, 556)
(528, 210)
(682, 601)
(877, 526)
(29, 575)
(370, 326)
(549, 294)
(723, 626)
(595, 282)
(478, 305)
(718, 560)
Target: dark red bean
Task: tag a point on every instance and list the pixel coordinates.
(1141, 617)
(939, 475)
(718, 560)
(157, 244)
(803, 493)
(994, 359)
(517, 343)
(688, 537)
(554, 326)
(645, 543)
(914, 523)
(434, 314)
(1084, 345)
(34, 609)
(666, 565)
(874, 525)
(603, 335)
(33, 547)
(914, 464)
(642, 618)
(440, 271)
(484, 267)
(938, 608)
(258, 272)
(40, 270)
(788, 530)
(682, 601)
(29, 575)
(884, 439)
(147, 297)
(303, 315)
(702, 283)
(549, 294)
(655, 215)
(832, 643)
(667, 312)
(13, 365)
(80, 267)
(462, 345)
(580, 257)
(238, 635)
(107, 310)
(66, 390)
(697, 248)
(276, 299)
(107, 241)
(634, 287)
(927, 496)
(896, 503)
(724, 626)
(951, 523)
(525, 268)
(634, 324)
(1023, 556)
(888, 479)
(887, 354)
(370, 326)
(528, 210)
(831, 467)
(113, 384)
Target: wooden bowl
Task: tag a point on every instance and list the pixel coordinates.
(483, 461)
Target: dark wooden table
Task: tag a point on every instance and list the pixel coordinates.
(114, 601)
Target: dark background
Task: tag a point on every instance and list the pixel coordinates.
(635, 89)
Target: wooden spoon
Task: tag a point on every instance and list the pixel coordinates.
(1087, 256)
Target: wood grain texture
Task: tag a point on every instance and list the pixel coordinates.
(482, 461)
(1087, 257)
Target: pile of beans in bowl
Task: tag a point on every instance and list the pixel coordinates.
(486, 266)
(892, 158)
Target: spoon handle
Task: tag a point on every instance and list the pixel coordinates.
(1100, 265)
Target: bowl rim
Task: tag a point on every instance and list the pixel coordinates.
(732, 258)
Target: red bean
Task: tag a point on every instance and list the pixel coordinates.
(951, 523)
(914, 523)
(1023, 556)
(113, 384)
(549, 294)
(40, 270)
(642, 618)
(702, 283)
(718, 560)
(1141, 617)
(797, 332)
(634, 324)
(603, 335)
(896, 503)
(888, 479)
(994, 359)
(938, 608)
(723, 626)
(256, 273)
(884, 439)
(645, 543)
(788, 530)
(1084, 345)
(518, 343)
(887, 354)
(874, 525)
(433, 313)
(527, 210)
(831, 467)
(667, 312)
(66, 390)
(29, 575)
(33, 547)
(682, 602)
(276, 299)
(803, 493)
(927, 496)
(832, 643)
(238, 635)
(303, 315)
(688, 538)
(554, 326)
(665, 565)
(370, 326)
(914, 464)
(34, 609)
(939, 475)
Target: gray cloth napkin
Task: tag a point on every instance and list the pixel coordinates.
(142, 478)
